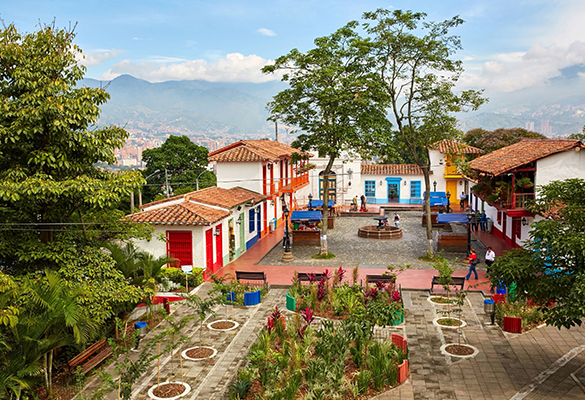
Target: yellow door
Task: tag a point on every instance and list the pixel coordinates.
(452, 188)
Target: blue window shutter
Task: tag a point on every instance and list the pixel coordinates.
(370, 189)
(252, 215)
(415, 189)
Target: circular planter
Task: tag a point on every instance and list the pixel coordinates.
(429, 299)
(252, 298)
(186, 390)
(291, 303)
(233, 325)
(436, 323)
(473, 351)
(207, 349)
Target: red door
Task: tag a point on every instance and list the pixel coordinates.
(209, 250)
(180, 246)
(218, 250)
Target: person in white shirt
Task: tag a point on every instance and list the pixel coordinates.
(396, 219)
(490, 257)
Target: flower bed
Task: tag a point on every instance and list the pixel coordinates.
(236, 293)
(340, 360)
(531, 315)
(380, 304)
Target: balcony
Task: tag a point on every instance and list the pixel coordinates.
(295, 183)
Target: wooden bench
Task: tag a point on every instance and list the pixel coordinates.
(456, 281)
(91, 357)
(255, 276)
(380, 278)
(304, 277)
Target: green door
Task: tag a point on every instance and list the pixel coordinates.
(242, 234)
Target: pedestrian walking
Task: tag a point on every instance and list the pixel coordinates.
(473, 261)
(490, 257)
(462, 198)
(396, 219)
(483, 221)
(476, 220)
(363, 203)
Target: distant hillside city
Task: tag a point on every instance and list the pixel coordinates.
(214, 114)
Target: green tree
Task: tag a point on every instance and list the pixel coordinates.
(184, 162)
(331, 98)
(490, 141)
(578, 136)
(551, 264)
(415, 63)
(52, 198)
(50, 318)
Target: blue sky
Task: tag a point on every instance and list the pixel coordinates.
(508, 45)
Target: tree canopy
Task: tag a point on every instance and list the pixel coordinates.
(331, 97)
(551, 264)
(52, 197)
(184, 162)
(490, 141)
(416, 65)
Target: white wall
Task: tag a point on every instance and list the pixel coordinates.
(244, 174)
(348, 185)
(560, 166)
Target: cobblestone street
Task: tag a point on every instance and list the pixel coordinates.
(351, 250)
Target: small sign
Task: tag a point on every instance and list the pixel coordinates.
(187, 269)
(323, 237)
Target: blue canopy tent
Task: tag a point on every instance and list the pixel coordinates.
(305, 216)
(438, 199)
(319, 203)
(447, 218)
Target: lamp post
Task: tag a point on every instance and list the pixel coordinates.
(434, 186)
(287, 256)
(469, 215)
(310, 202)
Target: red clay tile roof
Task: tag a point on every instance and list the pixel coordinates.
(447, 146)
(185, 213)
(254, 150)
(219, 197)
(258, 198)
(526, 151)
(391, 169)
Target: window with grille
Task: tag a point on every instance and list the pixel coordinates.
(370, 189)
(415, 189)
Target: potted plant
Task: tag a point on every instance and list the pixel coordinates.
(524, 182)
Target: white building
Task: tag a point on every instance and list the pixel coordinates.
(500, 188)
(206, 229)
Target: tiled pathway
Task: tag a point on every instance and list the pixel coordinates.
(544, 363)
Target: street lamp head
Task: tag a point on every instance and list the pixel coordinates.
(469, 214)
(310, 196)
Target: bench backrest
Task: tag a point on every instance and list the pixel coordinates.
(304, 276)
(251, 275)
(87, 353)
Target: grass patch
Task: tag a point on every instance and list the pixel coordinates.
(326, 256)
(437, 257)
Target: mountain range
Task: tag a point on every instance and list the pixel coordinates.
(238, 110)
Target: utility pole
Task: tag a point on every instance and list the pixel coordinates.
(275, 131)
(168, 189)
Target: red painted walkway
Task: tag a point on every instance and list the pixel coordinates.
(408, 279)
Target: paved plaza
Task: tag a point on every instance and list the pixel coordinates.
(544, 363)
(351, 250)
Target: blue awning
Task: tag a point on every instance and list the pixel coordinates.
(319, 203)
(446, 218)
(305, 216)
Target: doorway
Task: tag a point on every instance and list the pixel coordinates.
(393, 192)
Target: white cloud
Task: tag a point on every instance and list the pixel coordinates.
(266, 32)
(93, 58)
(234, 67)
(512, 71)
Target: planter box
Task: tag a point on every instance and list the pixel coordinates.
(290, 303)
(400, 319)
(306, 238)
(399, 341)
(403, 371)
(251, 299)
(499, 298)
(231, 296)
(513, 324)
